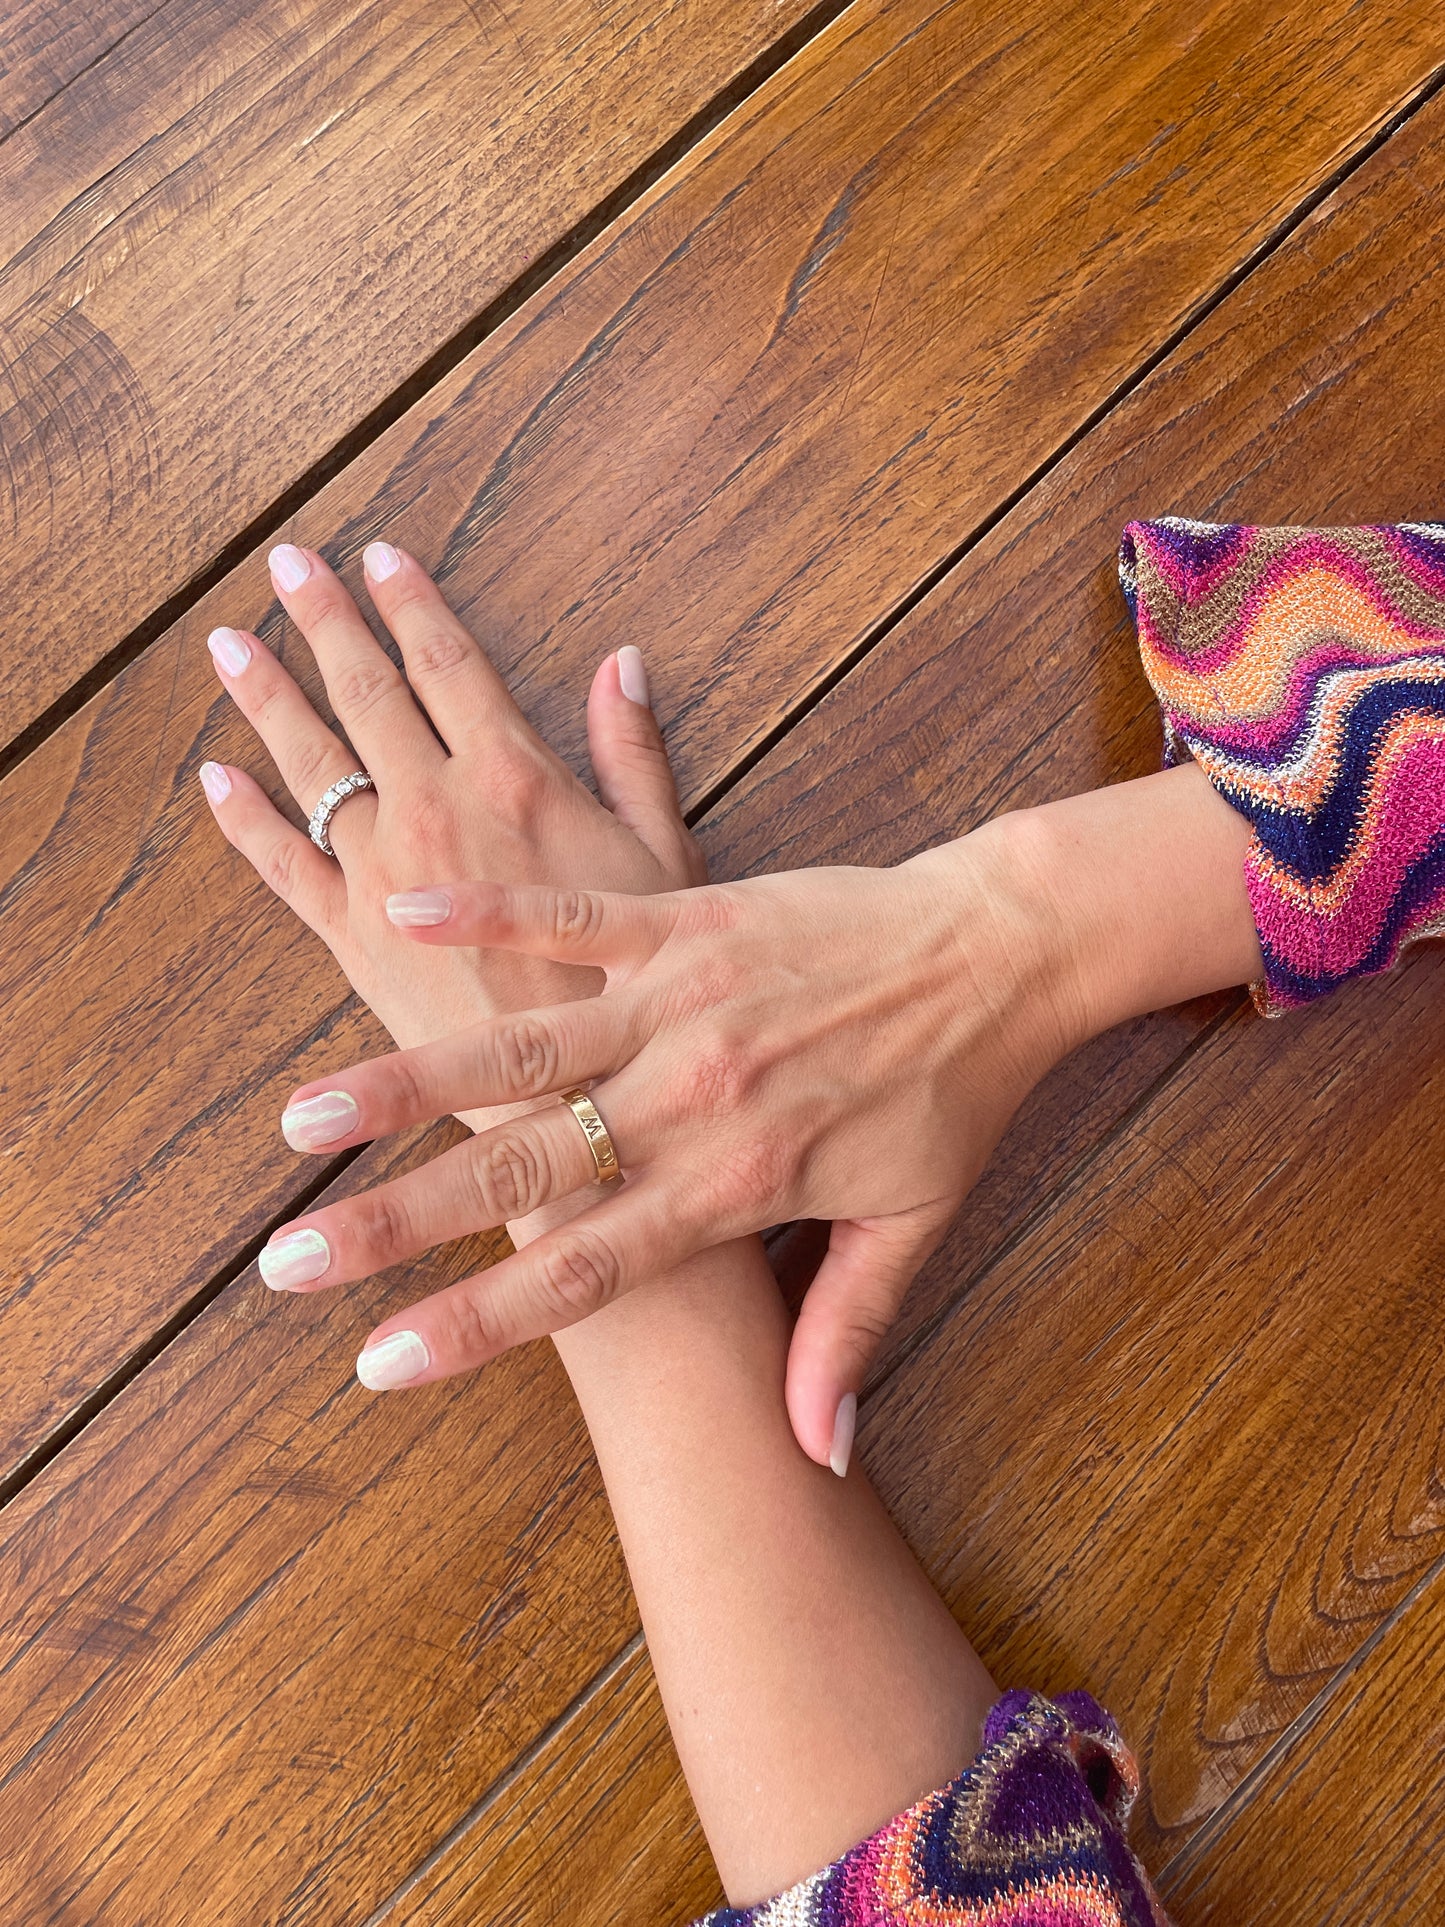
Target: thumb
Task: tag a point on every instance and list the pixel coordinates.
(634, 776)
(850, 1306)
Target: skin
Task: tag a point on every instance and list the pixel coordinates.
(770, 1678)
(781, 1608)
(840, 1044)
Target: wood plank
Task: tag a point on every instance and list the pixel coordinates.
(1182, 1444)
(267, 1638)
(1344, 1828)
(597, 1830)
(937, 729)
(1311, 395)
(131, 938)
(228, 241)
(45, 47)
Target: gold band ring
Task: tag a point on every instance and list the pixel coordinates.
(599, 1141)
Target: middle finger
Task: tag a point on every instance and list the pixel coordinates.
(368, 693)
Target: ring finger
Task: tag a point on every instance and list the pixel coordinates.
(309, 756)
(501, 1175)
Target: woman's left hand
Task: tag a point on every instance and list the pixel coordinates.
(464, 787)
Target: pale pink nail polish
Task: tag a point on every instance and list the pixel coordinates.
(319, 1120)
(632, 675)
(215, 782)
(844, 1426)
(418, 909)
(295, 1258)
(229, 650)
(380, 559)
(393, 1361)
(289, 567)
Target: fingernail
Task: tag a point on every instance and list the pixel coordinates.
(229, 650)
(289, 567)
(632, 674)
(319, 1120)
(414, 908)
(215, 782)
(843, 1428)
(295, 1258)
(380, 559)
(392, 1361)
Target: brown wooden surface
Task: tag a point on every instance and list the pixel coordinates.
(306, 1633)
(928, 734)
(232, 237)
(722, 540)
(45, 47)
(1381, 1736)
(378, 1657)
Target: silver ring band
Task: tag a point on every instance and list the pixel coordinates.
(331, 801)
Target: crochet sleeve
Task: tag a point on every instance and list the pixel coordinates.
(1304, 671)
(1032, 1832)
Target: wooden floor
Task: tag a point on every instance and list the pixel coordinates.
(826, 352)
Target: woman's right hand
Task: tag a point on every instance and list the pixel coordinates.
(838, 1043)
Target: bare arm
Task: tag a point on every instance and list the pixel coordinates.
(814, 1682)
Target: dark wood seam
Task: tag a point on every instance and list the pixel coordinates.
(434, 369)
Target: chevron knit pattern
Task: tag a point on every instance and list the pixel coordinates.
(1031, 1835)
(1304, 670)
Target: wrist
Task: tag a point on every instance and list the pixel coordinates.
(1142, 884)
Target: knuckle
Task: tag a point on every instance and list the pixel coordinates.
(510, 1178)
(360, 688)
(383, 1228)
(527, 1058)
(280, 870)
(717, 1079)
(759, 1169)
(517, 785)
(309, 766)
(576, 915)
(437, 652)
(579, 1277)
(475, 1333)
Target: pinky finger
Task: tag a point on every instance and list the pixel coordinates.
(285, 858)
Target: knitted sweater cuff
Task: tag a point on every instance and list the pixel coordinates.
(1304, 671)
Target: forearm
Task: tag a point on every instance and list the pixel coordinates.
(814, 1682)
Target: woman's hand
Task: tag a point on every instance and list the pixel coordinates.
(843, 1044)
(464, 787)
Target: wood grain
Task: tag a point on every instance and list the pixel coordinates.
(597, 1830)
(1183, 1444)
(133, 944)
(1310, 395)
(1277, 1501)
(46, 47)
(230, 239)
(267, 1637)
(1344, 1827)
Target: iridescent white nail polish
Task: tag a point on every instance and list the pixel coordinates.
(319, 1120)
(215, 782)
(392, 1361)
(229, 650)
(295, 1258)
(418, 909)
(288, 565)
(380, 559)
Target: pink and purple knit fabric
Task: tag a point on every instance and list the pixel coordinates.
(1031, 1835)
(1304, 670)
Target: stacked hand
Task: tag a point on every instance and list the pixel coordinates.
(841, 1044)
